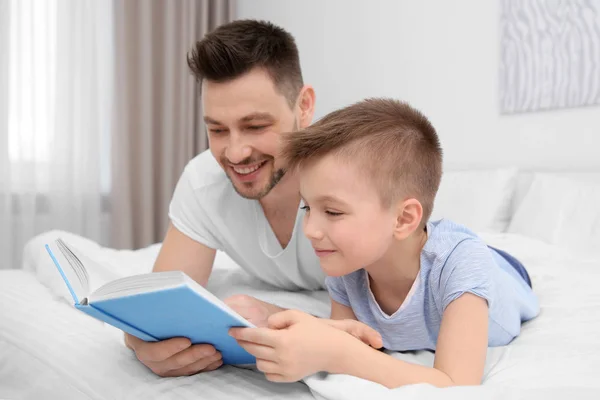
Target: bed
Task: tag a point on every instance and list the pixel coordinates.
(50, 350)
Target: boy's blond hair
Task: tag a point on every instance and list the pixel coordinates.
(394, 144)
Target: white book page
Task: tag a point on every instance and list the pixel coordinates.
(74, 274)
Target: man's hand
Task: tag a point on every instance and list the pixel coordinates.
(255, 311)
(175, 357)
(297, 345)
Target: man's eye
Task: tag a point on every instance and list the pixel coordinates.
(305, 208)
(217, 131)
(257, 127)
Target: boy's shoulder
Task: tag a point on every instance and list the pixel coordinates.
(445, 236)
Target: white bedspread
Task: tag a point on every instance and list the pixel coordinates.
(50, 350)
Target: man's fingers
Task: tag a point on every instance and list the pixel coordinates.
(203, 365)
(159, 351)
(189, 356)
(264, 336)
(213, 366)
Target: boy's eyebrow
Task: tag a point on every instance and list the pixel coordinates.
(333, 199)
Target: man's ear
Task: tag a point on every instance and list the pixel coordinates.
(408, 218)
(306, 106)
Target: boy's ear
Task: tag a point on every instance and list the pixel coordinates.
(306, 105)
(408, 218)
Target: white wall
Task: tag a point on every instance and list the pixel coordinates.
(441, 56)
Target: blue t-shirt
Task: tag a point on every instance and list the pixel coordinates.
(454, 261)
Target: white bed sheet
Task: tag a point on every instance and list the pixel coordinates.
(50, 350)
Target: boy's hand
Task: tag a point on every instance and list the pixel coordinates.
(298, 345)
(255, 311)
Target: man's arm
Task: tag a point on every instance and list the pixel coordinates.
(177, 356)
(179, 252)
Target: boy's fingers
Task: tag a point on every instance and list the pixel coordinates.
(359, 330)
(264, 336)
(267, 366)
(285, 319)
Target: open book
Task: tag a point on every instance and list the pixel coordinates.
(153, 306)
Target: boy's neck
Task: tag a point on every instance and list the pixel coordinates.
(392, 277)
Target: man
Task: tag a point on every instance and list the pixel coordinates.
(237, 197)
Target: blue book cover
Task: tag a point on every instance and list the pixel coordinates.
(154, 306)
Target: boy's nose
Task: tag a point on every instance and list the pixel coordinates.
(312, 231)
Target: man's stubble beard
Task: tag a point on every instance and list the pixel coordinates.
(276, 177)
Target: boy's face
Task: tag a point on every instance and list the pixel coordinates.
(345, 222)
(244, 119)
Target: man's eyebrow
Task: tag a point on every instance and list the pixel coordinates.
(258, 115)
(209, 120)
(264, 116)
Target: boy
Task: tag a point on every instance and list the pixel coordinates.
(368, 176)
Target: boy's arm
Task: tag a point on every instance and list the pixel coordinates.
(340, 311)
(460, 354)
(298, 345)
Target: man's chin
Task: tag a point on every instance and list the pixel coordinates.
(251, 191)
(257, 189)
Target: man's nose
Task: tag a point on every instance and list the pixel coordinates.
(237, 149)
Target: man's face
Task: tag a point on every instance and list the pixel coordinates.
(244, 119)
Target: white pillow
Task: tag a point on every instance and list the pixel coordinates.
(561, 211)
(479, 199)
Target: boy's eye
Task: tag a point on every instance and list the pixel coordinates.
(333, 213)
(217, 131)
(305, 208)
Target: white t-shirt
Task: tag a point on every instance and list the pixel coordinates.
(206, 207)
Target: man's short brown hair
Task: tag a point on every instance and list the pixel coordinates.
(235, 48)
(394, 144)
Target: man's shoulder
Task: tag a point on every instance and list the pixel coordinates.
(203, 171)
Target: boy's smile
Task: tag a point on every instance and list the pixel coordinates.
(322, 253)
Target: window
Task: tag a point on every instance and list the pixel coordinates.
(32, 68)
(32, 92)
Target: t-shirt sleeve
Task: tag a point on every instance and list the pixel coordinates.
(467, 270)
(337, 290)
(188, 214)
